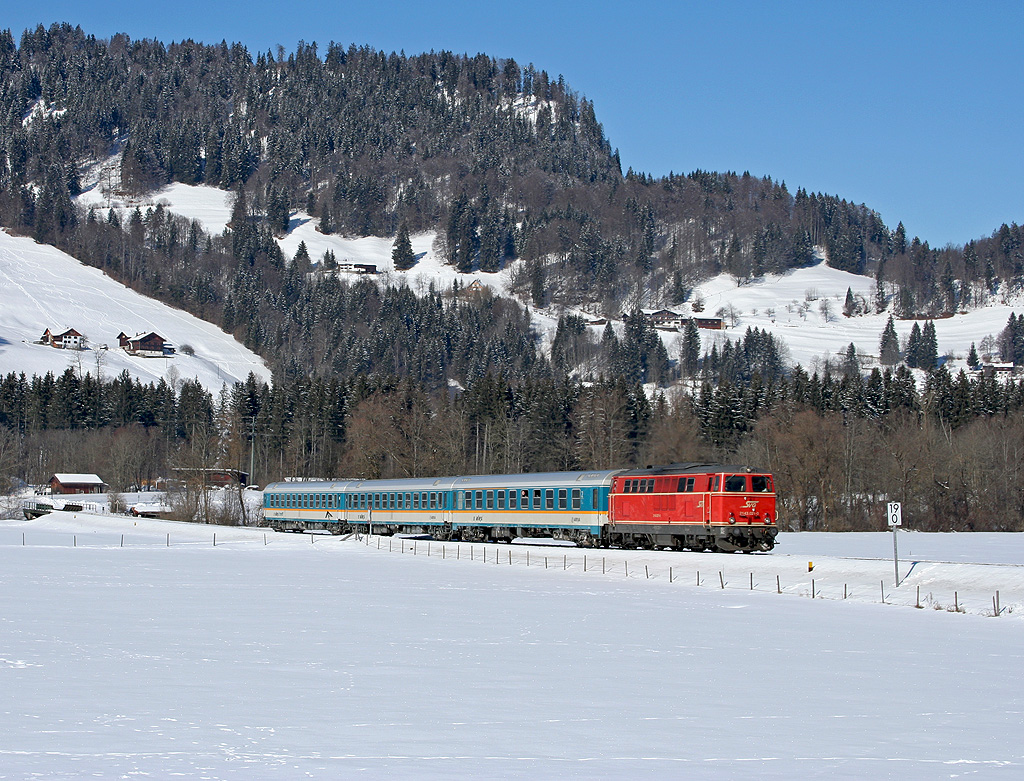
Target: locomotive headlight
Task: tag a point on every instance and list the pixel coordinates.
(767, 518)
(732, 518)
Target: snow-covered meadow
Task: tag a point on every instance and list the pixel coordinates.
(42, 287)
(283, 656)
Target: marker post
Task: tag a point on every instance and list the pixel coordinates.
(894, 514)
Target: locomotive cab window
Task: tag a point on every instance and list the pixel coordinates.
(736, 483)
(686, 484)
(760, 483)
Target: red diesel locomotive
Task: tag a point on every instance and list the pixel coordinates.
(695, 506)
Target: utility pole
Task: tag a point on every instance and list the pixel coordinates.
(252, 451)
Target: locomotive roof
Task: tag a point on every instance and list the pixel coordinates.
(463, 482)
(688, 468)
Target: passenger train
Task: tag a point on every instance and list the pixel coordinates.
(695, 506)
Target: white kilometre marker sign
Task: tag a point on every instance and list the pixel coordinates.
(894, 514)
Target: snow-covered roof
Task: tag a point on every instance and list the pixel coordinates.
(69, 477)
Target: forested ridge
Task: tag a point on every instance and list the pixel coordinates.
(511, 168)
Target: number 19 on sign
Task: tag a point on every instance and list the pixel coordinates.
(894, 513)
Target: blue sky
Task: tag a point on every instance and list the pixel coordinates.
(914, 108)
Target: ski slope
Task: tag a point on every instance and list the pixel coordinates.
(139, 648)
(42, 287)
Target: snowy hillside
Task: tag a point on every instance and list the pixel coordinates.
(137, 648)
(42, 287)
(788, 306)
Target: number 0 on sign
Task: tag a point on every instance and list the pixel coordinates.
(895, 513)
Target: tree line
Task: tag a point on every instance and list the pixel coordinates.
(840, 445)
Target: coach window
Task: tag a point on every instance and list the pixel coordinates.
(736, 483)
(501, 499)
(513, 495)
(538, 499)
(479, 500)
(549, 499)
(563, 497)
(524, 497)
(577, 498)
(490, 500)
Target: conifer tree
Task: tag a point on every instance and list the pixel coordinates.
(972, 357)
(928, 356)
(889, 345)
(402, 255)
(689, 355)
(850, 306)
(912, 355)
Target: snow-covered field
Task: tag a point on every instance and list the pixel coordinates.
(286, 656)
(42, 287)
(788, 306)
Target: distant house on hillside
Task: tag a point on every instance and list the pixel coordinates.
(712, 323)
(474, 289)
(997, 369)
(63, 338)
(357, 268)
(664, 318)
(68, 483)
(148, 345)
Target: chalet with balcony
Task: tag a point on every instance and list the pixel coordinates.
(63, 338)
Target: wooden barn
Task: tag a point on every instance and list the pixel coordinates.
(69, 483)
(146, 344)
(712, 323)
